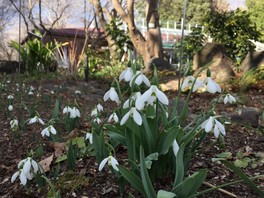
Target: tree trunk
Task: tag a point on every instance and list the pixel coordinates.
(154, 41)
(151, 46)
(111, 43)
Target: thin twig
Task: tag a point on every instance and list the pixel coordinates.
(220, 189)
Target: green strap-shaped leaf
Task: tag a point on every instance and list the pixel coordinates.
(165, 194)
(145, 176)
(179, 173)
(190, 185)
(133, 179)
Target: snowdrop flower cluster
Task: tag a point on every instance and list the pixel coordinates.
(209, 85)
(112, 95)
(211, 123)
(74, 112)
(111, 162)
(99, 108)
(27, 168)
(48, 130)
(229, 99)
(36, 119)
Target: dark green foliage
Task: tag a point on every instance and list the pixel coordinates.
(36, 55)
(120, 36)
(255, 9)
(173, 10)
(233, 30)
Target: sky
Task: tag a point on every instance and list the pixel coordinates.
(234, 4)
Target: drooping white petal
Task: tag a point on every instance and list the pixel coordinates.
(162, 97)
(34, 165)
(125, 118)
(216, 131)
(139, 103)
(175, 147)
(113, 95)
(102, 164)
(53, 130)
(13, 178)
(45, 132)
(220, 126)
(145, 96)
(126, 104)
(107, 95)
(114, 162)
(23, 179)
(32, 120)
(226, 99)
(21, 163)
(209, 124)
(26, 167)
(136, 116)
(40, 121)
(146, 80)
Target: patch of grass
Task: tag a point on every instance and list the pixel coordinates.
(72, 181)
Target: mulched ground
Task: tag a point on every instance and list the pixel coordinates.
(14, 147)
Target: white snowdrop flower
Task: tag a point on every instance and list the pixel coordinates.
(138, 78)
(67, 109)
(89, 136)
(188, 82)
(75, 113)
(10, 108)
(97, 120)
(94, 112)
(211, 86)
(48, 130)
(132, 113)
(52, 92)
(126, 75)
(129, 101)
(113, 117)
(78, 92)
(10, 97)
(35, 119)
(8, 81)
(14, 124)
(112, 95)
(211, 123)
(100, 107)
(30, 93)
(111, 162)
(150, 95)
(229, 98)
(175, 147)
(27, 167)
(31, 88)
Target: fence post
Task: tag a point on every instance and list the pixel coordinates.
(182, 28)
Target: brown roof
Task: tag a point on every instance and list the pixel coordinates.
(76, 32)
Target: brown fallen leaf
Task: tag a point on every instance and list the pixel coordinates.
(45, 164)
(60, 148)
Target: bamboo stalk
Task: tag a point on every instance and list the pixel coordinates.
(220, 189)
